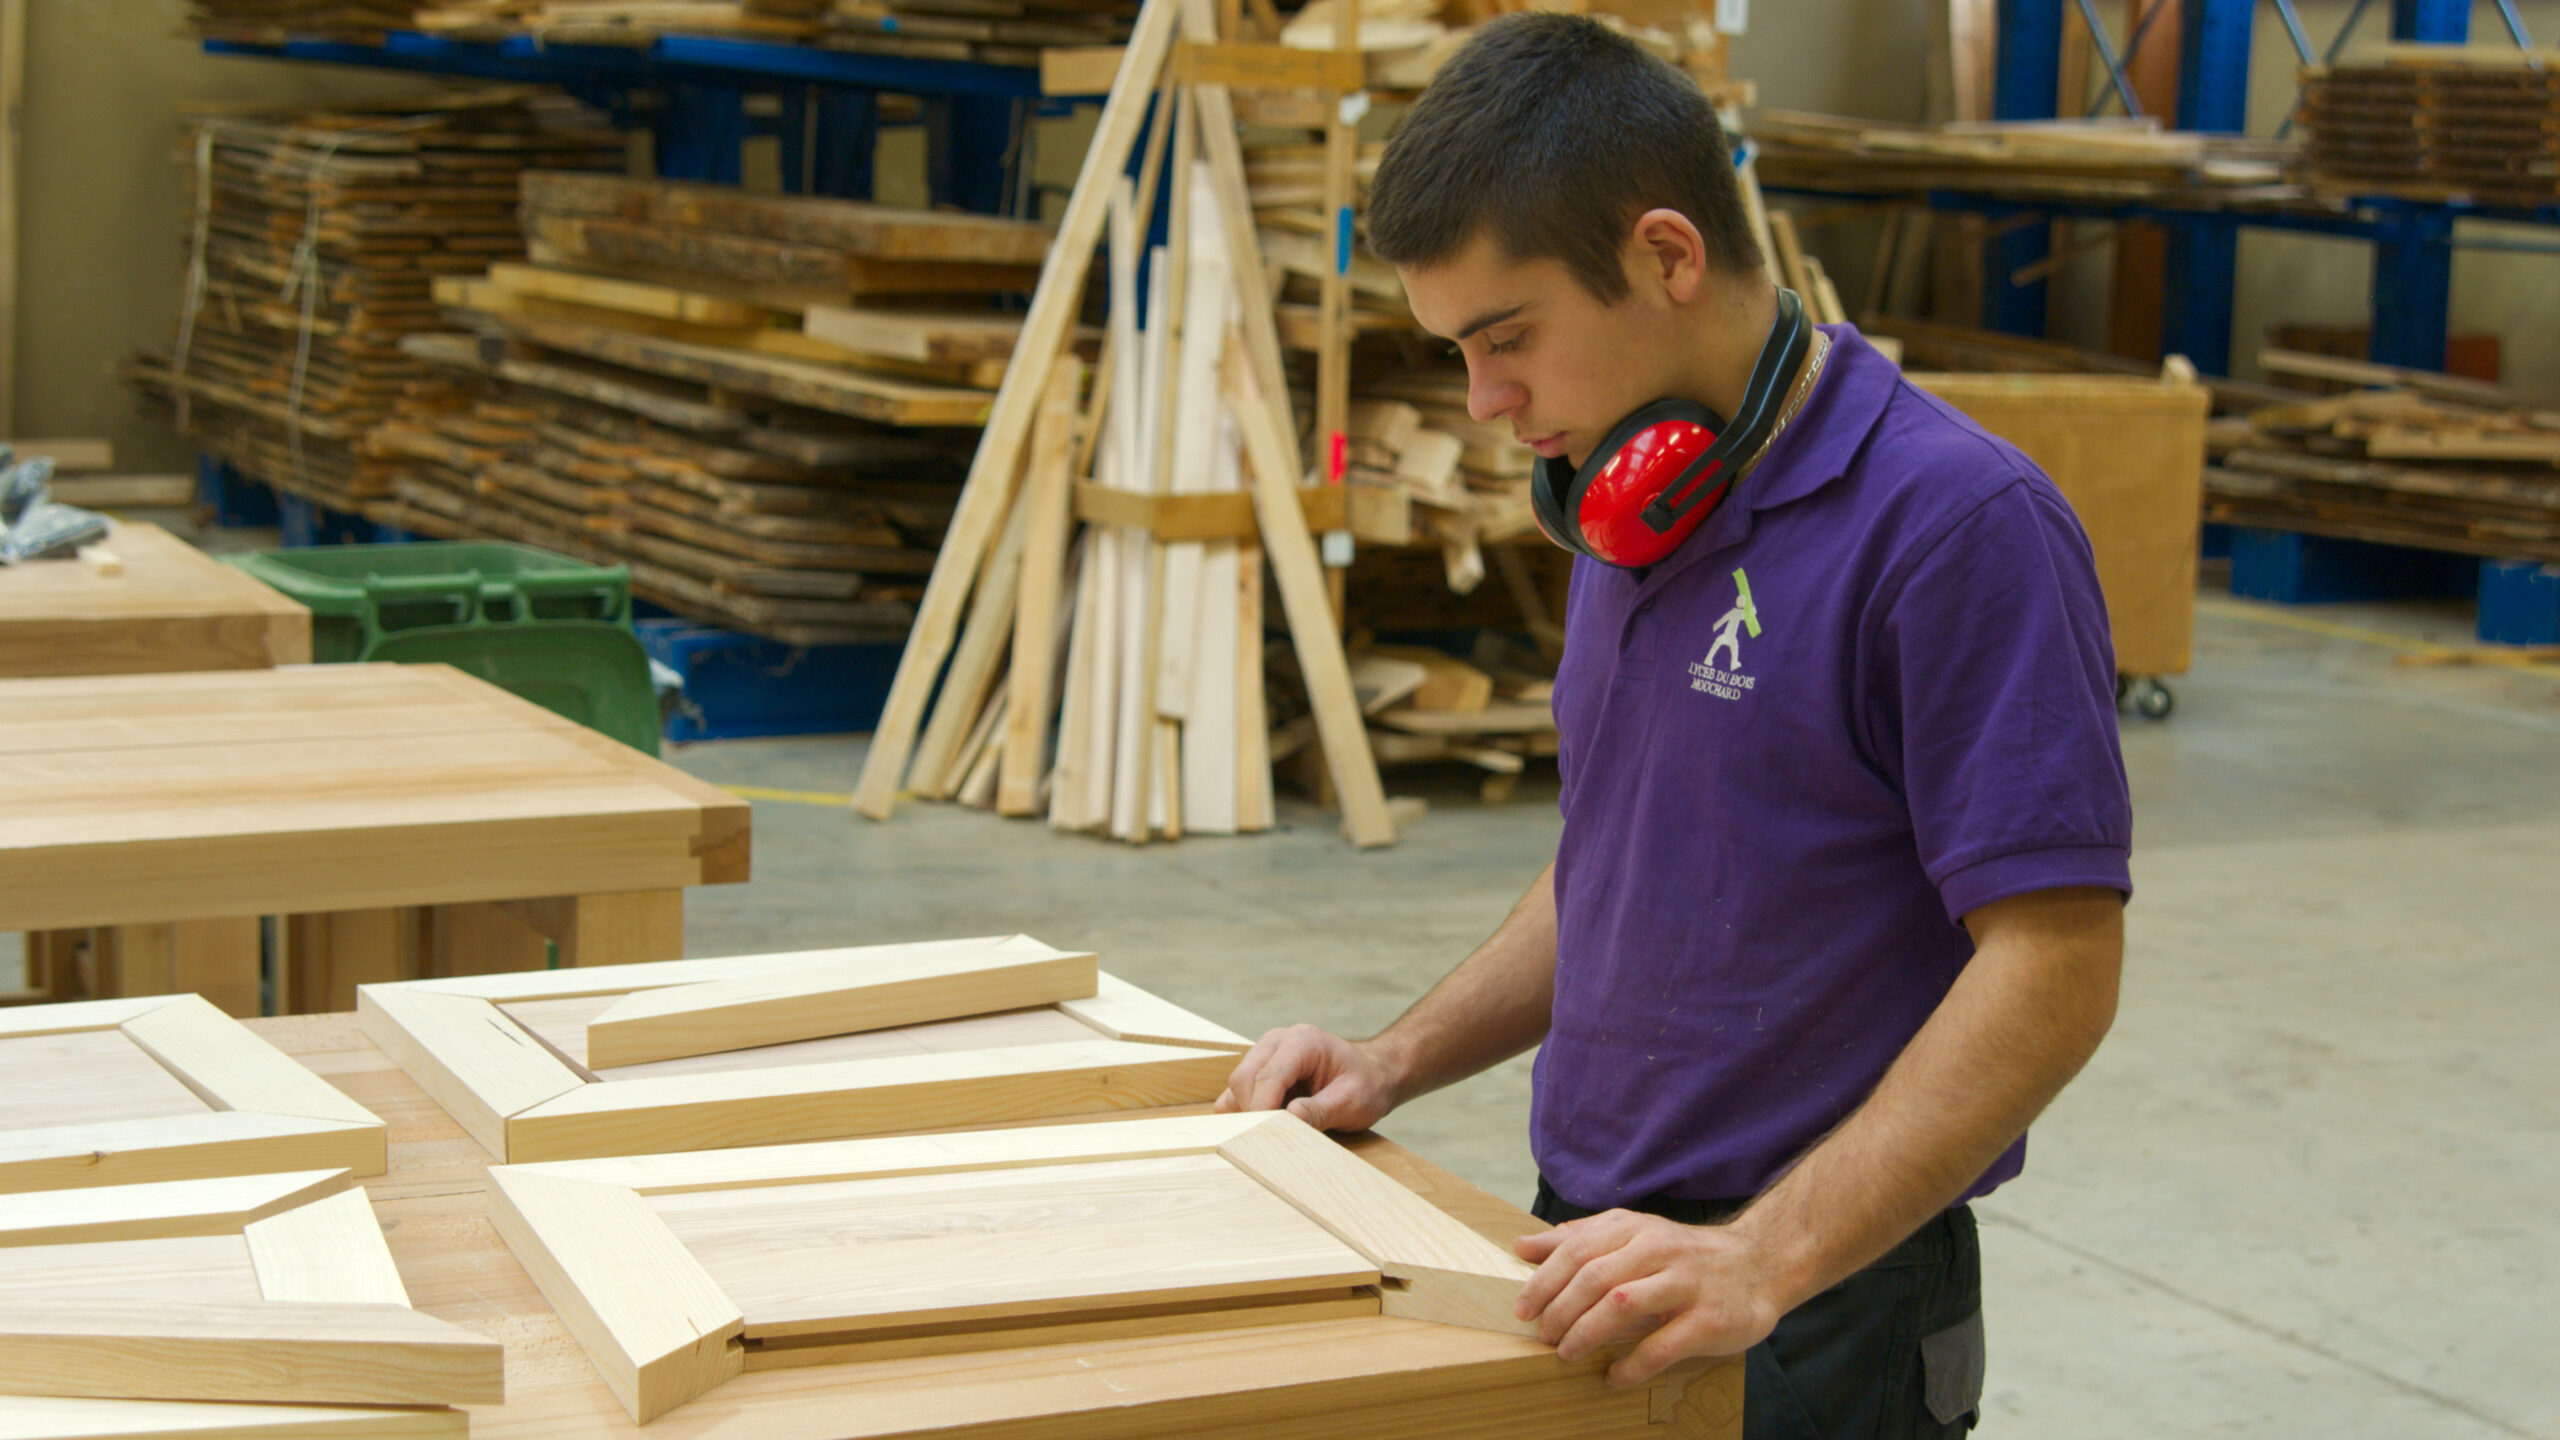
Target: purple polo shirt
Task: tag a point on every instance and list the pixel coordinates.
(1872, 693)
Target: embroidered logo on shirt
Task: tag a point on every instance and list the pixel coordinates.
(1744, 617)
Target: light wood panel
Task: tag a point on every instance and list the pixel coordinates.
(170, 607)
(920, 1236)
(512, 1057)
(220, 1206)
(186, 1268)
(883, 989)
(173, 1089)
(852, 1256)
(346, 1354)
(329, 1250)
(29, 1417)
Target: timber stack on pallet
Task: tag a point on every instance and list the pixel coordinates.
(2436, 122)
(2111, 159)
(1141, 636)
(317, 242)
(757, 402)
(991, 32)
(2427, 460)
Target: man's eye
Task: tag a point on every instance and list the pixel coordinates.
(1504, 347)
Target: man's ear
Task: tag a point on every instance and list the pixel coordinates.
(1666, 252)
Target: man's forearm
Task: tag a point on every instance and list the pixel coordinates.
(1493, 1006)
(2020, 1022)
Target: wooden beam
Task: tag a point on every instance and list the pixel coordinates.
(1266, 67)
(1046, 494)
(221, 1206)
(984, 496)
(328, 1354)
(13, 89)
(875, 992)
(1310, 613)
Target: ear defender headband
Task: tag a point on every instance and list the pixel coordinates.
(1660, 472)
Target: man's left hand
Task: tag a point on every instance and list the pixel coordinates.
(1698, 1290)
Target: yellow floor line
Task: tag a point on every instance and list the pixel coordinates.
(788, 797)
(2288, 621)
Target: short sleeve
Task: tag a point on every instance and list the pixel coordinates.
(1999, 706)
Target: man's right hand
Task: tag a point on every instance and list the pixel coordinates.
(1323, 1079)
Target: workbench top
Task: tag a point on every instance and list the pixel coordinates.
(1364, 1377)
(168, 607)
(135, 798)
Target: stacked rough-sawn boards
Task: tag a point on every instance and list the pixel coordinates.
(757, 402)
(319, 237)
(182, 1251)
(2436, 122)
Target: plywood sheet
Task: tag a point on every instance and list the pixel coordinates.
(79, 1079)
(1064, 1241)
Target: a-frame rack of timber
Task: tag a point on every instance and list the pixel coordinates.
(1255, 384)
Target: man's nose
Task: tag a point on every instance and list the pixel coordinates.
(1490, 398)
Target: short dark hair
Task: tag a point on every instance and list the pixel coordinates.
(1553, 133)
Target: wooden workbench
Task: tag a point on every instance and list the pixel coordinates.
(1366, 1377)
(168, 607)
(410, 819)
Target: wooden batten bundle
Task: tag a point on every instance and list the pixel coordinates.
(1143, 635)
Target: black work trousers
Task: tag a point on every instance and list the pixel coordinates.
(1894, 1352)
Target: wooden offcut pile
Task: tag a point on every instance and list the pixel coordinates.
(2422, 459)
(760, 403)
(993, 32)
(2112, 159)
(317, 242)
(566, 22)
(2436, 122)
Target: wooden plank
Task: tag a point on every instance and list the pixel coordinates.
(1141, 1322)
(820, 387)
(1122, 1011)
(220, 1206)
(974, 665)
(636, 297)
(1239, 66)
(614, 928)
(1311, 625)
(1079, 69)
(1064, 1241)
(479, 1065)
(985, 495)
(329, 1251)
(864, 1097)
(942, 337)
(67, 454)
(13, 86)
(881, 989)
(85, 1077)
(328, 1354)
(1451, 1274)
(1046, 495)
(656, 1325)
(132, 1152)
(883, 232)
(32, 1417)
(233, 1069)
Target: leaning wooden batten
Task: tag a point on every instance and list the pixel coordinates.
(528, 1095)
(604, 1241)
(266, 1113)
(266, 1290)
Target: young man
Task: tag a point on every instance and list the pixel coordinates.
(1837, 908)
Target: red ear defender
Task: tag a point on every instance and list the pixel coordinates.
(1660, 472)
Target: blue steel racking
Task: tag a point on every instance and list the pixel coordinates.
(2413, 242)
(828, 101)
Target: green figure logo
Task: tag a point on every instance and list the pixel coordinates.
(1729, 626)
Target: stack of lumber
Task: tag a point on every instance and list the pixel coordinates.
(1930, 345)
(319, 239)
(2422, 459)
(565, 22)
(992, 32)
(2113, 159)
(758, 402)
(1131, 699)
(2436, 122)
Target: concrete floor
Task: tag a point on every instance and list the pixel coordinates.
(2305, 1188)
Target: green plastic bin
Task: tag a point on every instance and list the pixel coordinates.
(359, 593)
(553, 630)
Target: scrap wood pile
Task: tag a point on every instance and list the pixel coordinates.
(316, 243)
(2108, 159)
(1009, 32)
(2422, 459)
(1112, 678)
(758, 402)
(2436, 122)
(991, 32)
(1403, 43)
